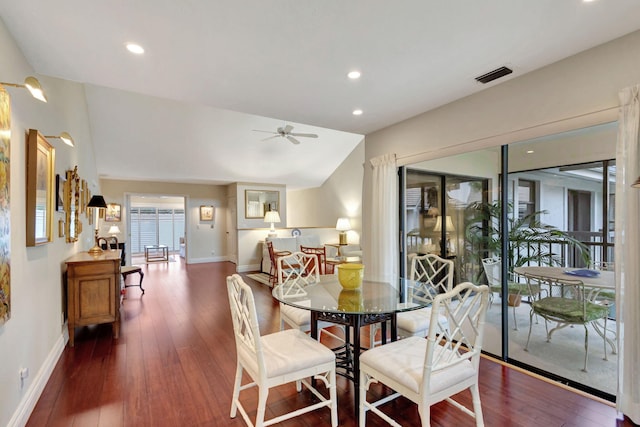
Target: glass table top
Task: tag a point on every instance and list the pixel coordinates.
(372, 298)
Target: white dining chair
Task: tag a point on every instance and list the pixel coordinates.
(434, 275)
(427, 371)
(276, 359)
(296, 271)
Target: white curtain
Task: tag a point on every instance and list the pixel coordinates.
(382, 257)
(627, 250)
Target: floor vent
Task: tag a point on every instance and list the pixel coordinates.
(495, 74)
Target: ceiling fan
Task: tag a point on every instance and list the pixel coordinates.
(285, 132)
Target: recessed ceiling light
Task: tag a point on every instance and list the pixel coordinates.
(354, 75)
(530, 151)
(135, 48)
(357, 112)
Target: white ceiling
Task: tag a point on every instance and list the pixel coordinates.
(215, 70)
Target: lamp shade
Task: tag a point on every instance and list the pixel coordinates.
(97, 202)
(272, 216)
(449, 224)
(343, 224)
(114, 229)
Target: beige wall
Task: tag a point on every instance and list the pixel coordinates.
(579, 91)
(34, 337)
(206, 241)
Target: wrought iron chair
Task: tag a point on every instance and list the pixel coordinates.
(567, 304)
(427, 371)
(270, 361)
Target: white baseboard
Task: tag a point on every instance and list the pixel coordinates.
(208, 259)
(30, 398)
(249, 267)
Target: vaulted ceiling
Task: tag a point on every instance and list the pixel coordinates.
(214, 71)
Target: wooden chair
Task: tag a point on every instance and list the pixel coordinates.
(273, 256)
(435, 274)
(427, 371)
(567, 304)
(275, 359)
(321, 254)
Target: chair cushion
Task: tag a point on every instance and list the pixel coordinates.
(403, 362)
(300, 317)
(569, 309)
(288, 351)
(418, 320)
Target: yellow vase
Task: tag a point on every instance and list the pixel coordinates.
(350, 275)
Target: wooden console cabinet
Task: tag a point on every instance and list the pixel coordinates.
(93, 291)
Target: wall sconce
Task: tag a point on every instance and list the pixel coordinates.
(272, 217)
(96, 202)
(32, 85)
(343, 225)
(65, 137)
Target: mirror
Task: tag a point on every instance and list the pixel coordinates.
(72, 205)
(258, 202)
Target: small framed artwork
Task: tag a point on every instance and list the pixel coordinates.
(112, 213)
(59, 193)
(206, 213)
(40, 189)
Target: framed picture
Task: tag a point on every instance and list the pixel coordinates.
(112, 214)
(59, 193)
(206, 213)
(40, 189)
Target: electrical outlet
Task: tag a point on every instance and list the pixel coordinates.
(24, 374)
(213, 252)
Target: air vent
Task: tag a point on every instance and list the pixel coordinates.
(495, 74)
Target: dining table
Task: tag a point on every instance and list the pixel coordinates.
(373, 302)
(599, 283)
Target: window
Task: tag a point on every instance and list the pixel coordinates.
(526, 198)
(156, 226)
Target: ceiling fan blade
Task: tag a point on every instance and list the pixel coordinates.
(293, 140)
(265, 131)
(287, 129)
(306, 135)
(271, 137)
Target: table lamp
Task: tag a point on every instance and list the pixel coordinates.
(97, 203)
(343, 225)
(114, 230)
(272, 217)
(448, 227)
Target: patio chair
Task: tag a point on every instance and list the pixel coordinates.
(427, 371)
(516, 290)
(269, 360)
(567, 304)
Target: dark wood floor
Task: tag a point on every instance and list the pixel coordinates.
(174, 366)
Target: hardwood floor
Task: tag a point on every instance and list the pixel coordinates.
(175, 361)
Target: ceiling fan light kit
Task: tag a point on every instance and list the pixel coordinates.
(285, 132)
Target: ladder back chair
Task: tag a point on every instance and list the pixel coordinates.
(270, 361)
(427, 371)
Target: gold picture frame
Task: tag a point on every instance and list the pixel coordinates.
(40, 189)
(206, 213)
(112, 213)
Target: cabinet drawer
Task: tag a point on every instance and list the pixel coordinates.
(93, 269)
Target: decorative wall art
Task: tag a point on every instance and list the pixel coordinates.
(112, 213)
(206, 213)
(73, 226)
(5, 218)
(59, 193)
(40, 189)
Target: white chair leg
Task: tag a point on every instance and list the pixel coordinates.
(425, 415)
(236, 391)
(333, 395)
(363, 398)
(262, 405)
(477, 406)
